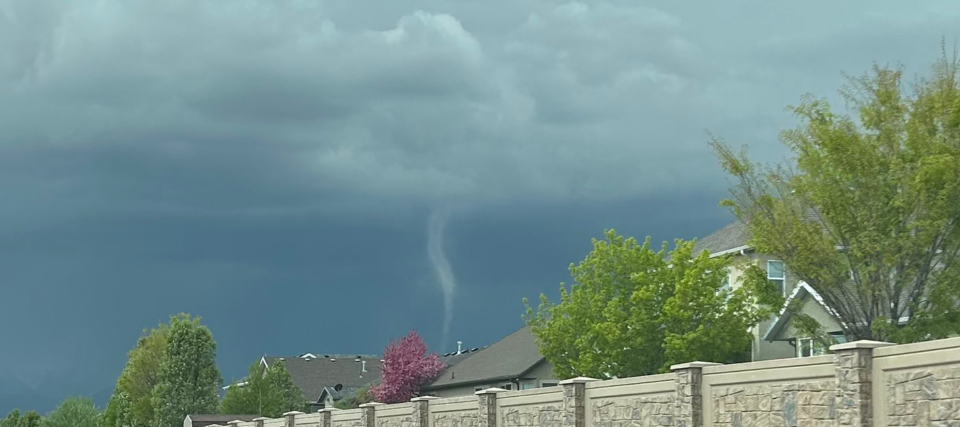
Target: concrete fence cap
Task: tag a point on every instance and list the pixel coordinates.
(328, 410)
(234, 422)
(260, 419)
(493, 390)
(423, 398)
(859, 344)
(370, 405)
(578, 380)
(693, 365)
(287, 414)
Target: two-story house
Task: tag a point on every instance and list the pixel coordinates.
(774, 338)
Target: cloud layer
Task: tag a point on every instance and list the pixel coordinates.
(212, 155)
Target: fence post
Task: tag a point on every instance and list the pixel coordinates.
(291, 418)
(259, 421)
(488, 407)
(854, 364)
(368, 414)
(326, 417)
(234, 423)
(421, 410)
(574, 401)
(688, 403)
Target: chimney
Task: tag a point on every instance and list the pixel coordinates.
(459, 347)
(363, 366)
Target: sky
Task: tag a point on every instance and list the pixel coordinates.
(325, 175)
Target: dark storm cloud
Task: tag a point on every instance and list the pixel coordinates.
(214, 156)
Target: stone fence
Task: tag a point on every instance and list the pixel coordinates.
(862, 384)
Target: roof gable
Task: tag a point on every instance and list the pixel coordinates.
(801, 292)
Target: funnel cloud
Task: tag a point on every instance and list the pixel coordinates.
(441, 266)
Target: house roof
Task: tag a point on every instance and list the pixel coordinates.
(508, 358)
(203, 420)
(312, 375)
(800, 291)
(730, 237)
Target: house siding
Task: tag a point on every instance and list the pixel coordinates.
(541, 371)
(762, 350)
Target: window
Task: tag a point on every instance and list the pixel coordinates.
(725, 283)
(807, 347)
(549, 383)
(777, 275)
(477, 388)
(507, 386)
(527, 385)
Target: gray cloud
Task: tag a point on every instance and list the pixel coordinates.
(193, 150)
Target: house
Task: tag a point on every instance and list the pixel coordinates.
(513, 363)
(204, 420)
(774, 338)
(327, 378)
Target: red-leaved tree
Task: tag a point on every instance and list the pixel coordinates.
(406, 367)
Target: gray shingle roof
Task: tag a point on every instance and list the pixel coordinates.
(508, 358)
(729, 237)
(311, 376)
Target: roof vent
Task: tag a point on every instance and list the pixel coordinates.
(282, 359)
(363, 366)
(333, 360)
(459, 347)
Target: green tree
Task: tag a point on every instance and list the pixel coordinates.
(353, 401)
(73, 412)
(30, 419)
(12, 419)
(268, 392)
(131, 404)
(635, 311)
(188, 379)
(868, 210)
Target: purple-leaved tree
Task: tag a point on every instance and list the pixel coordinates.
(406, 367)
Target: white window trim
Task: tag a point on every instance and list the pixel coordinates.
(813, 346)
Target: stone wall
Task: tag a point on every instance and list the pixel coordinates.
(917, 384)
(347, 418)
(454, 412)
(399, 415)
(789, 393)
(798, 404)
(635, 402)
(532, 408)
(862, 384)
(307, 420)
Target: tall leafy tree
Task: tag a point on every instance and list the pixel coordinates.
(131, 404)
(12, 419)
(30, 419)
(867, 211)
(188, 379)
(268, 392)
(406, 367)
(73, 412)
(633, 310)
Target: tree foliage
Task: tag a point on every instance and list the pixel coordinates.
(867, 212)
(12, 419)
(131, 404)
(406, 367)
(73, 412)
(268, 392)
(187, 380)
(30, 419)
(633, 310)
(354, 400)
